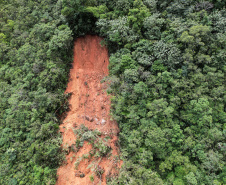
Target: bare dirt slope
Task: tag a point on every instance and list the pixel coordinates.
(90, 105)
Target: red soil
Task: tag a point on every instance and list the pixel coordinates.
(88, 100)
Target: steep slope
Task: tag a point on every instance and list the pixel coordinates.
(97, 158)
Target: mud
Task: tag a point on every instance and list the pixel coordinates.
(89, 105)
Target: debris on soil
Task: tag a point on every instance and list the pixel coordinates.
(103, 121)
(90, 109)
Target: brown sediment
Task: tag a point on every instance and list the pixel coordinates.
(89, 105)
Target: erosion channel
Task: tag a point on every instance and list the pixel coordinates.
(89, 134)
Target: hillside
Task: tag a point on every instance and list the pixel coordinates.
(89, 134)
(166, 82)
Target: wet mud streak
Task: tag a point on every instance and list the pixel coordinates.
(89, 105)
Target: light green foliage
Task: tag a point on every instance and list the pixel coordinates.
(137, 15)
(97, 11)
(61, 39)
(199, 30)
(199, 113)
(91, 178)
(2, 37)
(186, 38)
(196, 35)
(191, 179)
(178, 181)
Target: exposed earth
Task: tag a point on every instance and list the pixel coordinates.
(89, 106)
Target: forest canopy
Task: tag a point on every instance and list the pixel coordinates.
(167, 73)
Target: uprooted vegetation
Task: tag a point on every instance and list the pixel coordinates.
(100, 146)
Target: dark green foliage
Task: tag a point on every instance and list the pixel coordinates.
(167, 74)
(34, 61)
(78, 18)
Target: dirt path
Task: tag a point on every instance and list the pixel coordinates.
(90, 106)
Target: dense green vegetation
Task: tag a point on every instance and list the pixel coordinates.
(167, 73)
(35, 55)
